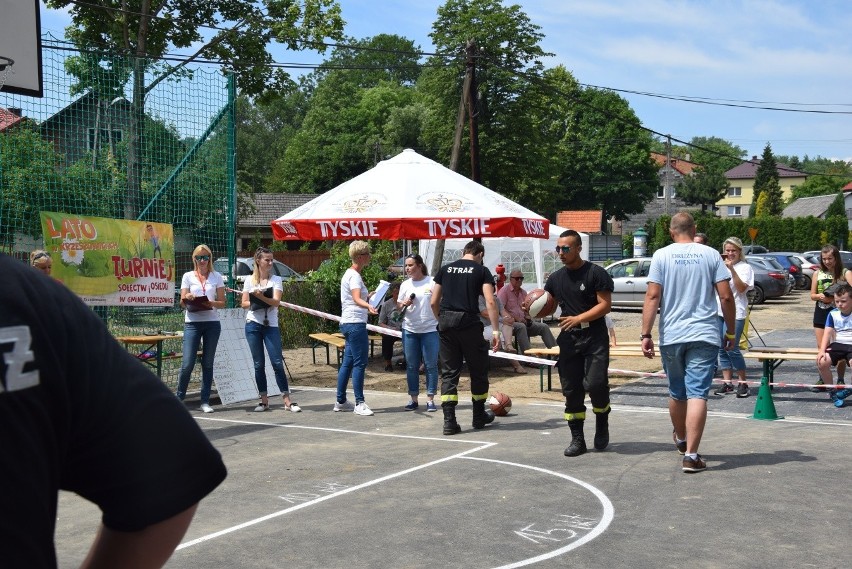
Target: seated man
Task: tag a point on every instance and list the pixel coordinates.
(836, 343)
(523, 327)
(506, 323)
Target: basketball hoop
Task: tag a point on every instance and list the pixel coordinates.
(6, 64)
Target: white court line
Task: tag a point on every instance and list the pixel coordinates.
(335, 494)
(328, 497)
(606, 519)
(346, 431)
(721, 414)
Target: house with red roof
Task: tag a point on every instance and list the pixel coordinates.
(741, 186)
(10, 118)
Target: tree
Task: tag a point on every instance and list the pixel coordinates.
(715, 154)
(350, 116)
(145, 30)
(837, 207)
(704, 187)
(766, 180)
(603, 157)
(508, 45)
(818, 185)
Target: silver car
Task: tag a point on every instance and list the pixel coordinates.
(630, 277)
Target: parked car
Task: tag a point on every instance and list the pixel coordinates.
(396, 271)
(245, 267)
(754, 250)
(790, 261)
(630, 277)
(808, 269)
(771, 280)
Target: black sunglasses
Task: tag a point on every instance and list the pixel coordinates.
(563, 248)
(202, 257)
(517, 278)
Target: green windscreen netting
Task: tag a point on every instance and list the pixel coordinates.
(114, 137)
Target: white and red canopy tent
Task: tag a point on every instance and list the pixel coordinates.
(409, 197)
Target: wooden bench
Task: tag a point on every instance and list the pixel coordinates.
(372, 337)
(626, 350)
(772, 357)
(327, 340)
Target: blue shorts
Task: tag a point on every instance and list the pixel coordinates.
(689, 367)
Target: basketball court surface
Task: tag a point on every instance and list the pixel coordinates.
(323, 489)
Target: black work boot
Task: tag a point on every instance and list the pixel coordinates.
(481, 416)
(451, 427)
(578, 442)
(601, 430)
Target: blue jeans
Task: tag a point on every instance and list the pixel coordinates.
(193, 334)
(732, 359)
(418, 346)
(354, 361)
(689, 367)
(258, 335)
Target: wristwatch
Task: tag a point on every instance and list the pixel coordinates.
(643, 336)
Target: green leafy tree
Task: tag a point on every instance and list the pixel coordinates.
(715, 154)
(818, 185)
(836, 207)
(146, 30)
(704, 187)
(349, 117)
(766, 180)
(603, 157)
(508, 49)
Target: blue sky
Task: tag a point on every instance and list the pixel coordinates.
(768, 51)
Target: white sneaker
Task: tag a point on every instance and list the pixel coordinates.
(345, 406)
(206, 408)
(293, 407)
(362, 409)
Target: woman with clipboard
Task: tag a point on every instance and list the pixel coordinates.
(202, 291)
(261, 297)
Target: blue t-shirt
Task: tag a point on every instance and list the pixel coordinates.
(688, 273)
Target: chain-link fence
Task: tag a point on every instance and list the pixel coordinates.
(118, 137)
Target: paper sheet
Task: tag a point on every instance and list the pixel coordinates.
(379, 295)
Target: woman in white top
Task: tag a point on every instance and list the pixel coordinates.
(202, 291)
(261, 297)
(355, 308)
(742, 281)
(419, 331)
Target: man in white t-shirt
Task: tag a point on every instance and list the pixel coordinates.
(683, 282)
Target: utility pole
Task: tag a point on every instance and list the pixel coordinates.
(667, 190)
(472, 112)
(438, 256)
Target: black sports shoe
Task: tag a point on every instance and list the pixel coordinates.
(742, 390)
(724, 388)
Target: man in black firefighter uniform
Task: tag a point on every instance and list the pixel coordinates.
(455, 302)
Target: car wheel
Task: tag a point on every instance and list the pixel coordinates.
(759, 296)
(807, 282)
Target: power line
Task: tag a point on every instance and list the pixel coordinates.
(732, 102)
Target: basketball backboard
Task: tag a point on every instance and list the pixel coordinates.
(20, 41)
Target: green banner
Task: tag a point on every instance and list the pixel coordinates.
(112, 262)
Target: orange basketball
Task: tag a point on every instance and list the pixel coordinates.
(500, 403)
(540, 303)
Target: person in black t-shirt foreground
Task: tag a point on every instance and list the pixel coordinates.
(584, 293)
(455, 302)
(79, 413)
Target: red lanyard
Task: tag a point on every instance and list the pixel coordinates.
(202, 283)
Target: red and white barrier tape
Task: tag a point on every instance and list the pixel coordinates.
(398, 334)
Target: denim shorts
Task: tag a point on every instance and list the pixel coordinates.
(689, 367)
